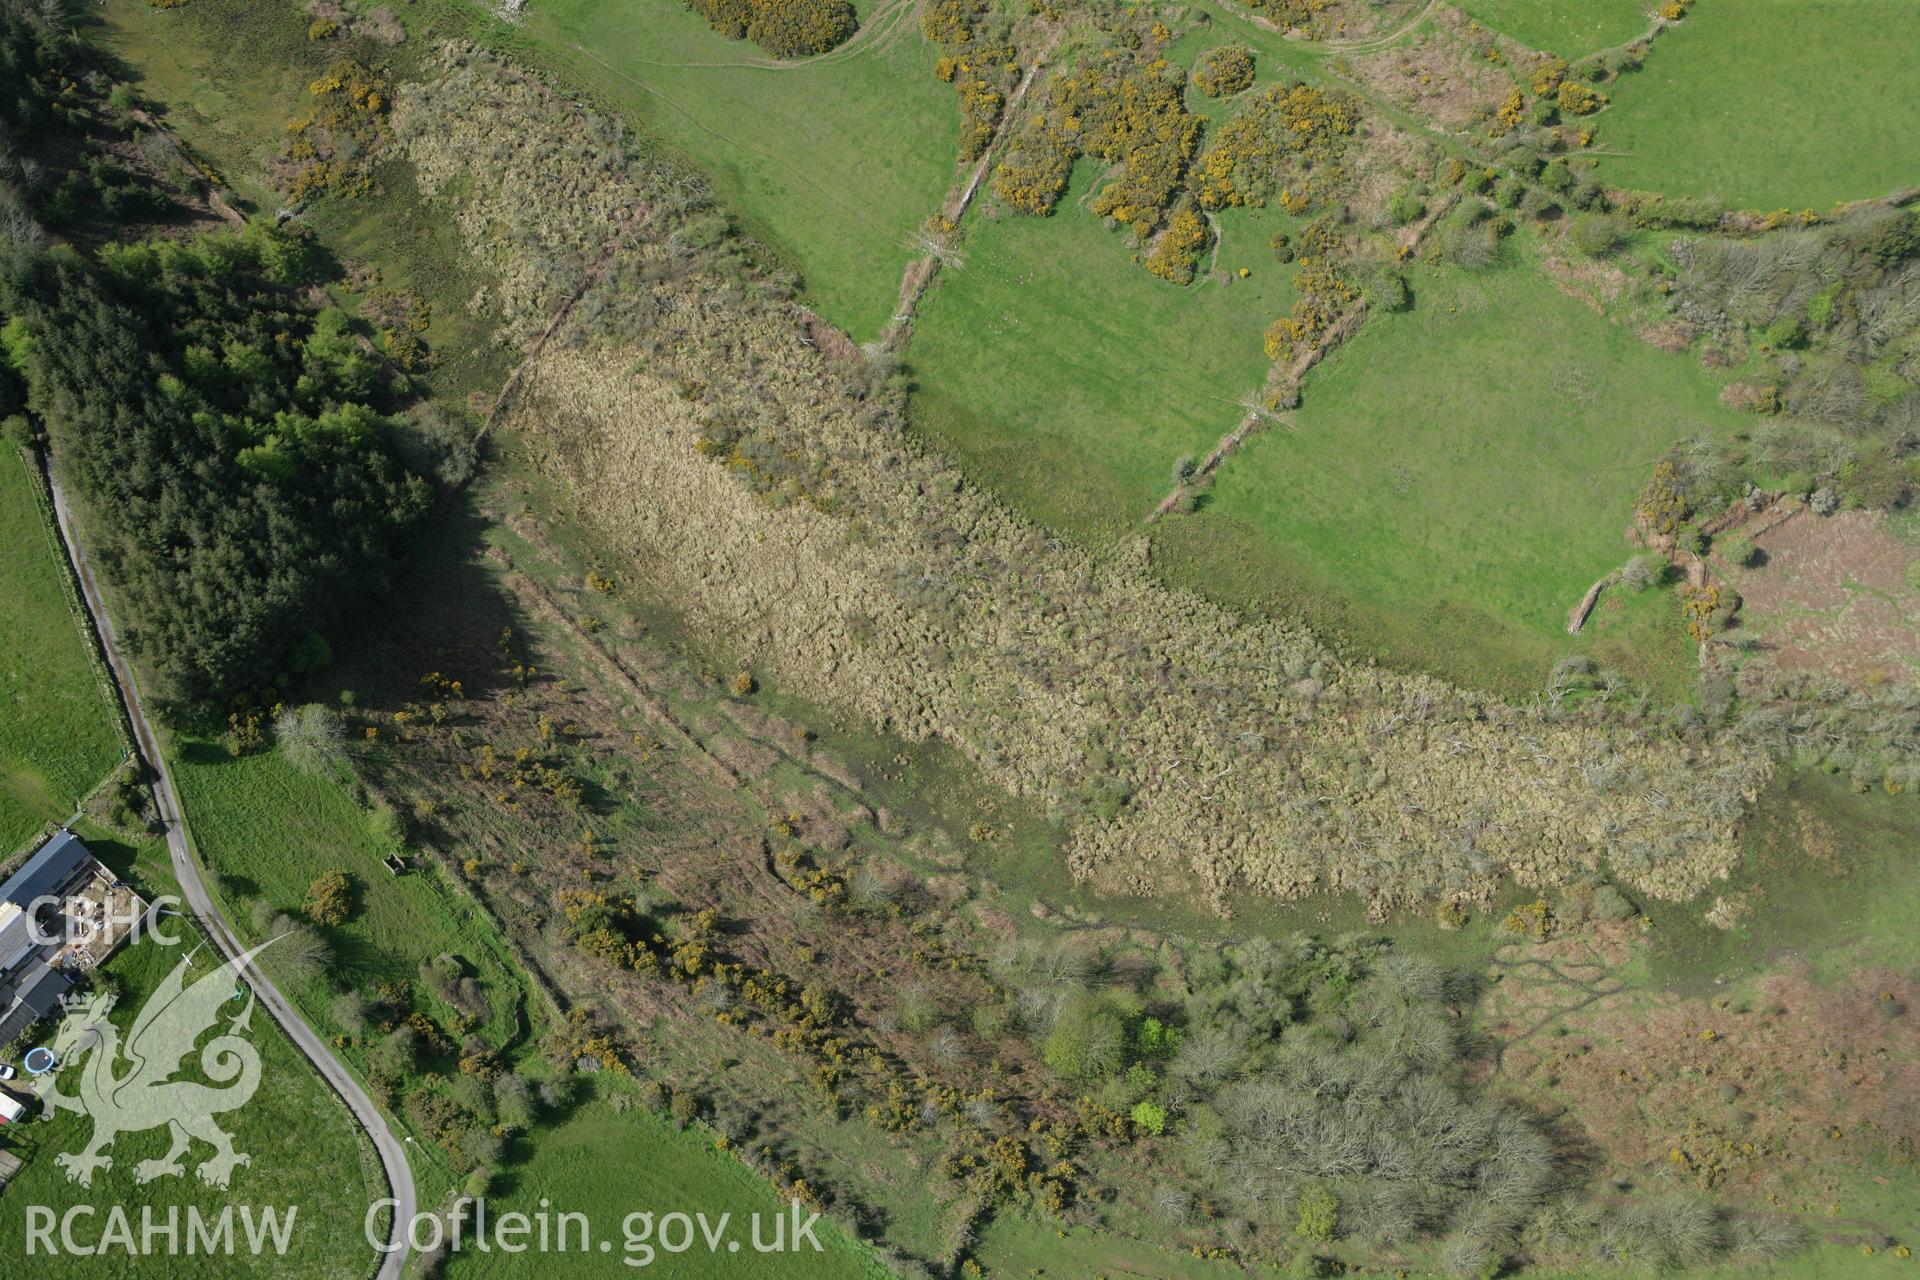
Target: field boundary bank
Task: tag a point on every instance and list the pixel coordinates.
(1289, 383)
(920, 272)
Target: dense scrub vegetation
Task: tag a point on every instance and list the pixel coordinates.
(1124, 108)
(1308, 17)
(1338, 782)
(243, 483)
(1296, 132)
(1224, 71)
(1833, 314)
(979, 60)
(1303, 1073)
(630, 196)
(1824, 322)
(1127, 108)
(784, 28)
(69, 158)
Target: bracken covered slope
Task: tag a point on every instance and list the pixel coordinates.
(776, 499)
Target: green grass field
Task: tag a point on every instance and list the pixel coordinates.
(836, 161)
(57, 736)
(608, 1164)
(1570, 28)
(1781, 103)
(1457, 476)
(1068, 379)
(307, 1156)
(268, 831)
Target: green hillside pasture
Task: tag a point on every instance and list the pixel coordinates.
(1796, 103)
(268, 831)
(836, 160)
(1458, 475)
(1067, 379)
(57, 736)
(608, 1164)
(1570, 28)
(306, 1154)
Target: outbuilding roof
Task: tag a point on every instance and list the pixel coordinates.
(33, 993)
(52, 865)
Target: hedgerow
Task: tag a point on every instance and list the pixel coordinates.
(1325, 293)
(784, 28)
(978, 61)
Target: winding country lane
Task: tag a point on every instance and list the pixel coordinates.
(393, 1156)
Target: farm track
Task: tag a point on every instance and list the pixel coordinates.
(199, 900)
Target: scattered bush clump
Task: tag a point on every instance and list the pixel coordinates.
(1598, 234)
(1577, 99)
(1295, 133)
(1224, 71)
(1177, 249)
(312, 739)
(331, 149)
(784, 28)
(1471, 235)
(330, 899)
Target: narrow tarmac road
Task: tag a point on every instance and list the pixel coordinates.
(393, 1155)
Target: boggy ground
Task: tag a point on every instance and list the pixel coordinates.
(1835, 597)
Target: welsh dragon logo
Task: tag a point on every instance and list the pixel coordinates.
(143, 1095)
